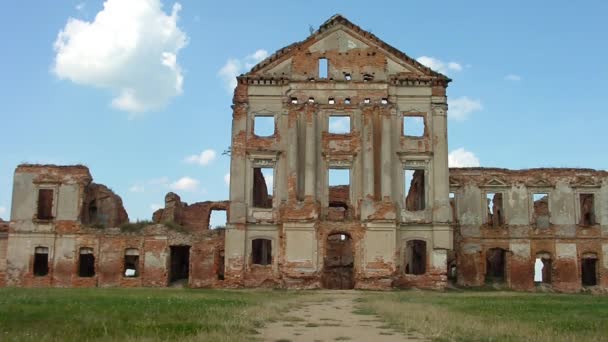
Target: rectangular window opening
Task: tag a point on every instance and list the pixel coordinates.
(339, 124)
(261, 252)
(589, 270)
(263, 126)
(339, 194)
(587, 202)
(41, 261)
(323, 68)
(217, 219)
(131, 269)
(86, 263)
(541, 210)
(413, 126)
(45, 204)
(542, 269)
(220, 271)
(495, 211)
(263, 187)
(414, 190)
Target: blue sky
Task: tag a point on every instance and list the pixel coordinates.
(528, 91)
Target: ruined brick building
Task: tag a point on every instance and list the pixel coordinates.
(349, 188)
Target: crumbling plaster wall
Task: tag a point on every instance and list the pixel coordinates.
(375, 89)
(565, 240)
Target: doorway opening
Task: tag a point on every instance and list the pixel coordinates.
(180, 264)
(495, 265)
(338, 270)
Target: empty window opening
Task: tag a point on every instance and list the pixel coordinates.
(180, 263)
(413, 126)
(263, 126)
(86, 262)
(41, 261)
(339, 194)
(261, 252)
(263, 185)
(414, 190)
(384, 101)
(93, 212)
(217, 219)
(589, 269)
(220, 265)
(131, 268)
(45, 204)
(495, 212)
(331, 101)
(311, 100)
(415, 257)
(294, 100)
(347, 101)
(339, 124)
(338, 262)
(348, 77)
(541, 210)
(452, 199)
(495, 265)
(587, 209)
(323, 67)
(367, 100)
(367, 77)
(542, 268)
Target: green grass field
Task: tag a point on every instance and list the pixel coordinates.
(136, 314)
(493, 316)
(225, 315)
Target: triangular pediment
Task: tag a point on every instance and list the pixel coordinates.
(539, 183)
(496, 182)
(341, 35)
(585, 182)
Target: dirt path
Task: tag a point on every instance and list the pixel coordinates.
(334, 319)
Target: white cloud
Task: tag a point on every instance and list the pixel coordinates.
(185, 184)
(269, 182)
(130, 48)
(156, 206)
(235, 67)
(227, 179)
(439, 65)
(2, 212)
(462, 158)
(462, 107)
(513, 77)
(203, 158)
(137, 188)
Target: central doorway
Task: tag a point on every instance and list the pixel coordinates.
(338, 262)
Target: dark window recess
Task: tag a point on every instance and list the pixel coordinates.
(262, 187)
(415, 257)
(41, 261)
(180, 263)
(86, 263)
(589, 270)
(495, 265)
(261, 252)
(495, 212)
(414, 189)
(587, 209)
(131, 268)
(220, 265)
(45, 204)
